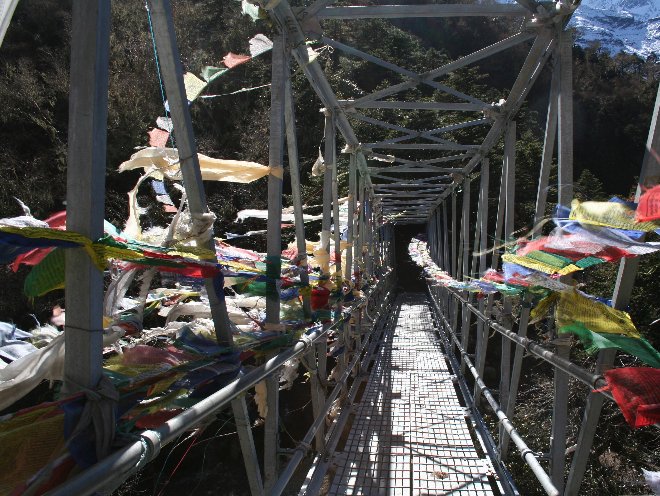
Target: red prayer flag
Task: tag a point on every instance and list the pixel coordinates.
(231, 60)
(158, 138)
(33, 257)
(648, 208)
(637, 392)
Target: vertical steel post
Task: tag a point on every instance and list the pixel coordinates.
(620, 298)
(329, 153)
(506, 318)
(170, 62)
(352, 198)
(453, 310)
(250, 459)
(274, 248)
(294, 173)
(87, 136)
(562, 345)
(447, 262)
(445, 237)
(369, 233)
(548, 145)
(439, 237)
(329, 157)
(499, 224)
(335, 219)
(482, 331)
(465, 262)
(454, 260)
(515, 374)
(359, 256)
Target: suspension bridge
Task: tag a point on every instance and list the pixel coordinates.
(405, 410)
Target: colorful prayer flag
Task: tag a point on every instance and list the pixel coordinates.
(649, 205)
(637, 392)
(592, 342)
(573, 307)
(232, 60)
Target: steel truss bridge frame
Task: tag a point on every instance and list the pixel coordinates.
(379, 197)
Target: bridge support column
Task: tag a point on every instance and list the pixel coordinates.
(294, 174)
(482, 228)
(274, 250)
(499, 223)
(352, 197)
(565, 197)
(465, 263)
(506, 318)
(88, 115)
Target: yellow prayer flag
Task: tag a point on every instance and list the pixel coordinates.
(594, 315)
(194, 85)
(609, 214)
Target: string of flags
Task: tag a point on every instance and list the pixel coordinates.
(587, 234)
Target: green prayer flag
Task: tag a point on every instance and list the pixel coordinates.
(47, 275)
(210, 73)
(583, 263)
(593, 341)
(551, 259)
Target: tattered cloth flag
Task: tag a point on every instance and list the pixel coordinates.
(162, 196)
(637, 392)
(194, 86)
(166, 160)
(211, 73)
(649, 205)
(260, 44)
(593, 342)
(250, 9)
(165, 123)
(232, 60)
(158, 138)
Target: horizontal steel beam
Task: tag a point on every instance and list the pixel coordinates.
(384, 196)
(407, 169)
(438, 160)
(428, 10)
(410, 168)
(422, 146)
(455, 107)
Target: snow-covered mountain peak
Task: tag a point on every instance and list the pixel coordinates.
(629, 25)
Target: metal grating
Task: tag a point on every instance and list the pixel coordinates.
(409, 435)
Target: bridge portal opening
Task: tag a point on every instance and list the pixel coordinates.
(409, 275)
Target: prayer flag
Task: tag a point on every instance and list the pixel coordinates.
(637, 392)
(158, 138)
(649, 205)
(616, 215)
(232, 60)
(592, 342)
(573, 307)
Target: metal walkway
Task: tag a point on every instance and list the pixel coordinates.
(410, 435)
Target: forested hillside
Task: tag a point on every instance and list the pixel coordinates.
(613, 102)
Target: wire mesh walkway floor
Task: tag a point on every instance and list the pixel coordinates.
(410, 435)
